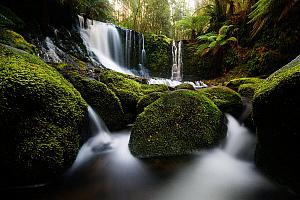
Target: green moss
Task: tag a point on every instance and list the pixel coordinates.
(127, 90)
(149, 88)
(276, 116)
(226, 99)
(14, 39)
(235, 83)
(147, 100)
(102, 99)
(40, 113)
(186, 86)
(247, 90)
(178, 123)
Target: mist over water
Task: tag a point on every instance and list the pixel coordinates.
(226, 172)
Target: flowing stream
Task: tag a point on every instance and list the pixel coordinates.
(105, 169)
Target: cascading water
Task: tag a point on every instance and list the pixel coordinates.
(99, 142)
(226, 172)
(114, 50)
(177, 61)
(142, 62)
(128, 46)
(50, 51)
(103, 41)
(177, 72)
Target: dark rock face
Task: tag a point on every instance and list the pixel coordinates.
(276, 116)
(178, 123)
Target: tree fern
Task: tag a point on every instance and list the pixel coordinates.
(265, 10)
(213, 42)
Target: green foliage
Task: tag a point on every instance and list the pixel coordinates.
(227, 100)
(40, 118)
(9, 19)
(178, 123)
(13, 39)
(212, 42)
(146, 16)
(264, 11)
(263, 61)
(190, 26)
(93, 9)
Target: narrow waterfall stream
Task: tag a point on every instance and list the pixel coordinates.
(226, 172)
(177, 61)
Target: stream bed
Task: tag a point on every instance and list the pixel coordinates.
(105, 171)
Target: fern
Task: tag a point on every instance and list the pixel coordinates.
(265, 10)
(213, 42)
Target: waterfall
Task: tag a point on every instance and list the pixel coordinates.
(128, 47)
(114, 47)
(239, 142)
(143, 72)
(51, 51)
(104, 43)
(177, 61)
(99, 142)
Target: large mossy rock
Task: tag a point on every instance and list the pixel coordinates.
(276, 115)
(150, 88)
(247, 90)
(235, 83)
(14, 39)
(127, 89)
(184, 86)
(147, 100)
(102, 99)
(178, 123)
(40, 119)
(227, 100)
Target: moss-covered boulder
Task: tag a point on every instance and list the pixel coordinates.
(276, 115)
(184, 86)
(40, 118)
(247, 90)
(178, 123)
(127, 90)
(147, 100)
(102, 99)
(14, 39)
(149, 88)
(235, 83)
(227, 100)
